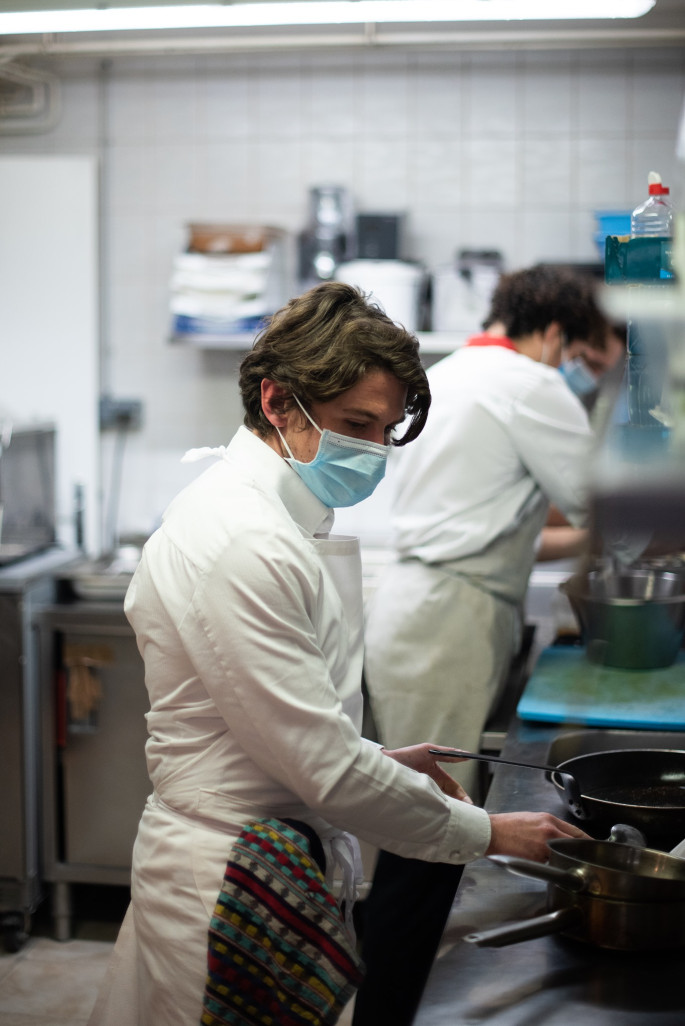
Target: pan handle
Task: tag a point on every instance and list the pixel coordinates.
(540, 926)
(574, 798)
(569, 879)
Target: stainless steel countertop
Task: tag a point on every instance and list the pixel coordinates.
(16, 577)
(551, 980)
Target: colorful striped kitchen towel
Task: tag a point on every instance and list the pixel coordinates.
(279, 953)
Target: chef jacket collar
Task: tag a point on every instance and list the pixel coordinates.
(260, 459)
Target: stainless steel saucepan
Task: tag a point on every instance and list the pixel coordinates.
(607, 893)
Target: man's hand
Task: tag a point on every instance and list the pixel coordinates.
(526, 834)
(418, 758)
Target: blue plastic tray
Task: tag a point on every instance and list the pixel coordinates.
(566, 688)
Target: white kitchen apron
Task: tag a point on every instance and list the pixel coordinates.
(341, 559)
(439, 642)
(157, 972)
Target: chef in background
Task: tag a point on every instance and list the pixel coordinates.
(595, 372)
(505, 437)
(248, 614)
(592, 367)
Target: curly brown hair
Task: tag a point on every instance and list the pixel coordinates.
(321, 343)
(529, 300)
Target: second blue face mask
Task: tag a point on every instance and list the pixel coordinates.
(344, 470)
(578, 377)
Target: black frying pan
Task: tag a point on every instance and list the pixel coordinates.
(642, 787)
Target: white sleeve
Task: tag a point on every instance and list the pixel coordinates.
(553, 438)
(250, 632)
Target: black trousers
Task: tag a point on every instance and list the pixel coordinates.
(401, 924)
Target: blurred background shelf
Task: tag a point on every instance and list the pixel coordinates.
(430, 341)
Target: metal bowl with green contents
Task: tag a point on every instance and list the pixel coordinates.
(633, 619)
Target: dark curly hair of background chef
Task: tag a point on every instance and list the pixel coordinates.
(528, 300)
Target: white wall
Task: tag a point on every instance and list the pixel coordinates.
(506, 150)
(49, 320)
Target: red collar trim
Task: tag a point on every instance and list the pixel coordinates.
(492, 340)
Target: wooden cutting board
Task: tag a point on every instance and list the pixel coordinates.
(566, 688)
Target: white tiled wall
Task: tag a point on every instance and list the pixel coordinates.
(505, 150)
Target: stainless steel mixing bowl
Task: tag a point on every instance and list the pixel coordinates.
(632, 618)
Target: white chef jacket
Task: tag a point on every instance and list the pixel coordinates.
(253, 667)
(504, 434)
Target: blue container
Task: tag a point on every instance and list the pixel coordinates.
(610, 222)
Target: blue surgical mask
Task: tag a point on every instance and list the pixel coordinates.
(579, 377)
(344, 470)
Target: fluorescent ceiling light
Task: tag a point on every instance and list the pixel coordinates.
(311, 12)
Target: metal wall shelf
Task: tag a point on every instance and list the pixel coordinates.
(430, 341)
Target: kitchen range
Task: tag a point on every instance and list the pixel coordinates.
(553, 979)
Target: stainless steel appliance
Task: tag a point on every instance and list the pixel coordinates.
(327, 239)
(25, 588)
(95, 782)
(27, 490)
(379, 236)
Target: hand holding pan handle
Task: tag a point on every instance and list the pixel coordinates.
(575, 879)
(574, 798)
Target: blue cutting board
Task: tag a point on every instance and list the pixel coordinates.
(566, 688)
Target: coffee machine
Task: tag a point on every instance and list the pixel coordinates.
(328, 238)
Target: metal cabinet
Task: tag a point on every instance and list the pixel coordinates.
(25, 588)
(95, 781)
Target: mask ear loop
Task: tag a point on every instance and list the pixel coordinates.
(285, 444)
(313, 423)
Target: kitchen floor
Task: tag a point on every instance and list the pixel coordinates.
(53, 983)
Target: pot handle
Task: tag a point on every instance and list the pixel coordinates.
(625, 834)
(569, 879)
(540, 926)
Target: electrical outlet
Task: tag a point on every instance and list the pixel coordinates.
(120, 414)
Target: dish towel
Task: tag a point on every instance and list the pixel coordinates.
(278, 952)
